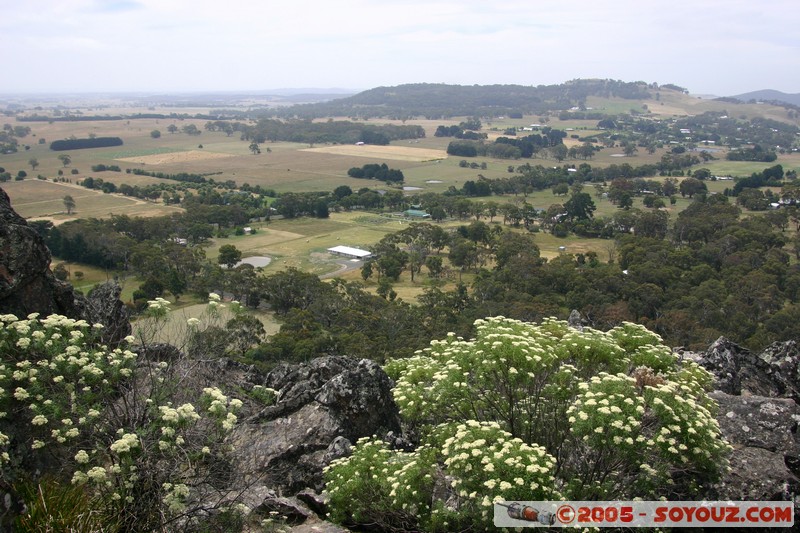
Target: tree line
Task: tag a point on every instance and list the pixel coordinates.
(91, 142)
(332, 131)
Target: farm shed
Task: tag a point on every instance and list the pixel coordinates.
(416, 213)
(347, 251)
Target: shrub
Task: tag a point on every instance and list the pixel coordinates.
(535, 411)
(109, 421)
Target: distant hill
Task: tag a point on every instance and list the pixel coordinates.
(769, 95)
(437, 100)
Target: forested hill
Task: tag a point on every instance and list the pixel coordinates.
(434, 101)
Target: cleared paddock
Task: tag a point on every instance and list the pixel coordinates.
(392, 152)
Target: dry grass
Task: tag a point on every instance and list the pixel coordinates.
(392, 152)
(42, 199)
(175, 157)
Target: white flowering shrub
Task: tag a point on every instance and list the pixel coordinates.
(543, 411)
(55, 380)
(479, 463)
(106, 418)
(381, 487)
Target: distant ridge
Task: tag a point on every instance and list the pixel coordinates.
(439, 100)
(770, 95)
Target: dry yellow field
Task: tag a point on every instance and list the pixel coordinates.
(43, 200)
(175, 157)
(398, 153)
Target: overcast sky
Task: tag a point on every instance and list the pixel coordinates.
(720, 47)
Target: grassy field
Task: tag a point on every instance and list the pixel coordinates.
(302, 242)
(40, 199)
(744, 169)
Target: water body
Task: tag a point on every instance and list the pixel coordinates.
(412, 188)
(434, 181)
(256, 261)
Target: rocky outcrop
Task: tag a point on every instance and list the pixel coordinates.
(102, 305)
(766, 448)
(772, 373)
(323, 407)
(28, 286)
(782, 360)
(735, 368)
(26, 283)
(759, 416)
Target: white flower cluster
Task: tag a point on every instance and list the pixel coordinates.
(687, 430)
(175, 496)
(59, 381)
(125, 444)
(158, 304)
(490, 464)
(607, 413)
(220, 407)
(179, 415)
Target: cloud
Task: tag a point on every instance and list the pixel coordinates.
(114, 6)
(194, 44)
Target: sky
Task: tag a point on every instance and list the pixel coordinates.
(719, 47)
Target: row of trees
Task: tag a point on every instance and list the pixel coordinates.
(90, 142)
(334, 132)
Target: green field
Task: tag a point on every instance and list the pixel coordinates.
(302, 242)
(743, 169)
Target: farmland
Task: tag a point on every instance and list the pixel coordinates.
(305, 167)
(40, 199)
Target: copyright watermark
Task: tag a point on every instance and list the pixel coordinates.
(644, 514)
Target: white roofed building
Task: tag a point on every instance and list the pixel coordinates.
(347, 251)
